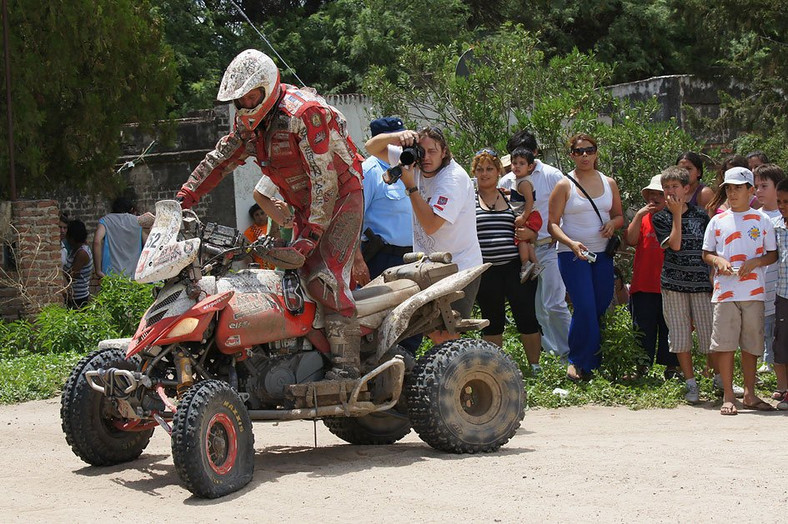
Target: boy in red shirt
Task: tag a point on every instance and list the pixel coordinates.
(645, 298)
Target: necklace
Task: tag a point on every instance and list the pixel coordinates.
(495, 202)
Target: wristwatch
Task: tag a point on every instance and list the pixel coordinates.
(411, 190)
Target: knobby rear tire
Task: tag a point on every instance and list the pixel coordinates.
(465, 396)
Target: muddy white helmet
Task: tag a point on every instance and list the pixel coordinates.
(249, 70)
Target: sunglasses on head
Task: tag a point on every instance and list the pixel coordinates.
(487, 150)
(431, 129)
(580, 151)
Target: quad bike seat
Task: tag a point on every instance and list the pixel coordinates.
(374, 301)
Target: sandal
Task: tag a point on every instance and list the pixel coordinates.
(779, 394)
(728, 408)
(760, 405)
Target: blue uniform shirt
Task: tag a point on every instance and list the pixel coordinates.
(387, 208)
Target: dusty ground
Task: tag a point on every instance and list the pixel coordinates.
(584, 464)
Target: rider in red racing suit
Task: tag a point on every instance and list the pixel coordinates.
(304, 148)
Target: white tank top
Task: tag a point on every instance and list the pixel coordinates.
(580, 222)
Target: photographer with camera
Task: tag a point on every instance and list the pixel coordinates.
(441, 195)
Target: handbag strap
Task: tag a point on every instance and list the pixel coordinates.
(587, 197)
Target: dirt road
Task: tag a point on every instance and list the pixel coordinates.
(583, 464)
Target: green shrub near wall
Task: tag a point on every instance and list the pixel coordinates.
(36, 357)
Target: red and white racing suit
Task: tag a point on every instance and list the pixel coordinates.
(304, 147)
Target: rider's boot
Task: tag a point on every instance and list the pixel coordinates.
(344, 338)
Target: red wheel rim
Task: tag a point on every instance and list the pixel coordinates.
(221, 443)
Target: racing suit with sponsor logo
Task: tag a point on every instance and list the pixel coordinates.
(304, 148)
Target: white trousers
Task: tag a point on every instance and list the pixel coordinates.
(551, 309)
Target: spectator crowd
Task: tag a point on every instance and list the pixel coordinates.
(708, 259)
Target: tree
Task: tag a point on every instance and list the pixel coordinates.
(80, 70)
(510, 87)
(748, 44)
(639, 37)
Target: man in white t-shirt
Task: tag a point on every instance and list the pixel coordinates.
(442, 196)
(551, 309)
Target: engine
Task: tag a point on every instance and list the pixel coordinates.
(269, 376)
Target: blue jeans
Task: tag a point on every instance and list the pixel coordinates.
(590, 287)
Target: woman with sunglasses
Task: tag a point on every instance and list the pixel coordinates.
(501, 283)
(582, 236)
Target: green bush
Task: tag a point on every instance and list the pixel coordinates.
(16, 338)
(621, 354)
(37, 356)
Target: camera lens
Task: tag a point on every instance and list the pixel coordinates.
(410, 155)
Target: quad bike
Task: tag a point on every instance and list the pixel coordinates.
(219, 349)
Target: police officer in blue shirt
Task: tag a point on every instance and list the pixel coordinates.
(388, 222)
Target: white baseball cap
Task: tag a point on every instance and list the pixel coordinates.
(738, 176)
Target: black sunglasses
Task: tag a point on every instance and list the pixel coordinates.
(580, 151)
(487, 150)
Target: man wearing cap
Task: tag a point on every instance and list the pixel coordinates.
(388, 232)
(551, 309)
(645, 292)
(738, 244)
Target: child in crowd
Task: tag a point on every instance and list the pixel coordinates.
(523, 164)
(686, 289)
(645, 296)
(767, 176)
(738, 243)
(781, 309)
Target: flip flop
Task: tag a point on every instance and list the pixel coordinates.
(728, 408)
(761, 405)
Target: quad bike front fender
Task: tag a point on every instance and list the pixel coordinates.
(397, 321)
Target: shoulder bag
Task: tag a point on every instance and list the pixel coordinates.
(613, 242)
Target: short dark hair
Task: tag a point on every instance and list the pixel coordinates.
(772, 172)
(783, 185)
(760, 155)
(76, 231)
(676, 173)
(524, 152)
(122, 205)
(524, 139)
(253, 210)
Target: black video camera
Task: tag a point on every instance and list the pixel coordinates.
(409, 156)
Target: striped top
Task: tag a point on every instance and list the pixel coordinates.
(80, 286)
(495, 230)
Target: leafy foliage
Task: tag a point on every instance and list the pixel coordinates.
(35, 358)
(621, 353)
(80, 70)
(509, 87)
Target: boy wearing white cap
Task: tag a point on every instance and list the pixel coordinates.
(738, 244)
(645, 291)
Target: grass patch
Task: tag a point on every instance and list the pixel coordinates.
(34, 377)
(37, 355)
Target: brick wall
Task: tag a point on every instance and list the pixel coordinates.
(37, 279)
